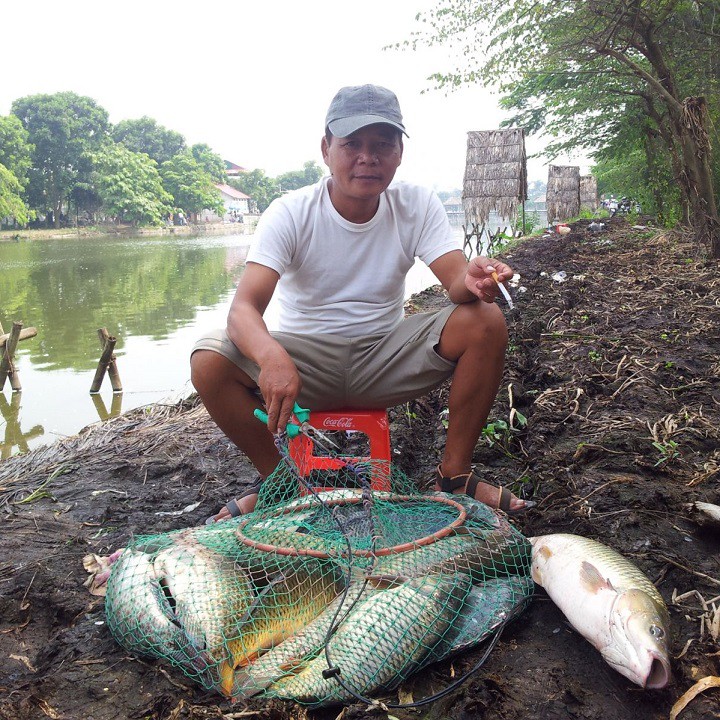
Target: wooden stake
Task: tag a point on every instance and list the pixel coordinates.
(7, 367)
(25, 333)
(112, 366)
(107, 362)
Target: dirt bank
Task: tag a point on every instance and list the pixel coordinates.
(614, 367)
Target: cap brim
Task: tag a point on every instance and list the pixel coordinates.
(347, 126)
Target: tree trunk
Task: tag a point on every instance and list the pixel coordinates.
(694, 141)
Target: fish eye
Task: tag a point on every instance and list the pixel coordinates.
(657, 632)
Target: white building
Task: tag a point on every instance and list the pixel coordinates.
(237, 205)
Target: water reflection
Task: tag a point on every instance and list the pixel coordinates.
(149, 286)
(101, 407)
(15, 440)
(154, 294)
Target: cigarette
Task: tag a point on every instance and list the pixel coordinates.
(503, 290)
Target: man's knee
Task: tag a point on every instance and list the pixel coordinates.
(210, 370)
(200, 373)
(477, 324)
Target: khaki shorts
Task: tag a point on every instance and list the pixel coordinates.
(375, 371)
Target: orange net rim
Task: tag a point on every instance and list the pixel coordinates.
(392, 550)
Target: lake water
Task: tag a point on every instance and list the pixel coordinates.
(154, 294)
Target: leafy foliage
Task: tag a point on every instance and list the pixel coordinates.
(61, 128)
(11, 203)
(146, 136)
(61, 152)
(296, 179)
(210, 162)
(621, 79)
(15, 150)
(190, 185)
(261, 188)
(130, 186)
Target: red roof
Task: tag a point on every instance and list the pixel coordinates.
(232, 192)
(233, 169)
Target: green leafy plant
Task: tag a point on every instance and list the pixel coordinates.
(668, 450)
(495, 432)
(409, 414)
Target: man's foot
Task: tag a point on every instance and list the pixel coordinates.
(242, 505)
(498, 498)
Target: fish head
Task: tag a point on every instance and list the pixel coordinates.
(638, 647)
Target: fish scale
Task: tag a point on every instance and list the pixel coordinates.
(612, 566)
(609, 601)
(285, 606)
(292, 654)
(383, 640)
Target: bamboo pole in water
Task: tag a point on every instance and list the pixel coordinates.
(7, 367)
(25, 333)
(106, 362)
(112, 366)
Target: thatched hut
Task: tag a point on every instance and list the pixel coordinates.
(588, 193)
(495, 174)
(495, 181)
(563, 192)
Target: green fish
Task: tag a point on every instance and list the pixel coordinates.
(139, 615)
(290, 656)
(483, 555)
(385, 638)
(288, 603)
(489, 604)
(209, 594)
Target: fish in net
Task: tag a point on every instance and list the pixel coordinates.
(322, 597)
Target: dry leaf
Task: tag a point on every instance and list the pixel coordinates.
(700, 686)
(25, 661)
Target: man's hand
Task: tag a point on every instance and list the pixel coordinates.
(279, 383)
(479, 277)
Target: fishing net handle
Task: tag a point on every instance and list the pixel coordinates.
(393, 550)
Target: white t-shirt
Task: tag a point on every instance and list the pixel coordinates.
(343, 278)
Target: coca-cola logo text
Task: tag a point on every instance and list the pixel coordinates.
(341, 423)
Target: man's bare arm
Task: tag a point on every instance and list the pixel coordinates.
(279, 381)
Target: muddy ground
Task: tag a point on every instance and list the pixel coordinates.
(615, 369)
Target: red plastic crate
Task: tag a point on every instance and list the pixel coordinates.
(373, 423)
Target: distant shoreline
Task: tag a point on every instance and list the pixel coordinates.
(219, 228)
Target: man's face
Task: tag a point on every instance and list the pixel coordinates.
(364, 163)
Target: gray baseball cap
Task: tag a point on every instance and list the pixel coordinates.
(360, 105)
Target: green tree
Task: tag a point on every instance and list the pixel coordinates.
(15, 163)
(210, 162)
(15, 150)
(129, 186)
(11, 202)
(146, 136)
(295, 179)
(261, 188)
(578, 56)
(191, 187)
(61, 127)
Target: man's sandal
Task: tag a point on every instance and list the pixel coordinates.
(470, 481)
(233, 507)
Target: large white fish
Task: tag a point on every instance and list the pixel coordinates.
(609, 602)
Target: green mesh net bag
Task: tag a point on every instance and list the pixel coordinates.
(322, 597)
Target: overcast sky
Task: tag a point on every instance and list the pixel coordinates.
(251, 78)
